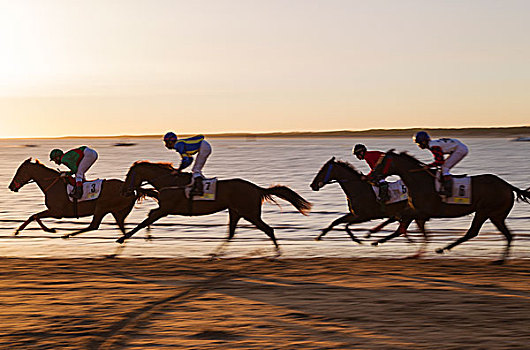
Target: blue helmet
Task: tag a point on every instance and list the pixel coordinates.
(170, 136)
(421, 137)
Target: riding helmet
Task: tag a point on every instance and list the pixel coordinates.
(359, 148)
(421, 137)
(56, 153)
(170, 136)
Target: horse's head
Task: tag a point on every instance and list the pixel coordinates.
(323, 177)
(22, 176)
(334, 170)
(157, 174)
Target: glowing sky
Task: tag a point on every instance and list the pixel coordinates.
(109, 67)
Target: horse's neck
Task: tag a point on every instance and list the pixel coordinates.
(417, 181)
(158, 178)
(349, 181)
(44, 176)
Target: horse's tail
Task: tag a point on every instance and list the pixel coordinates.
(287, 194)
(522, 195)
(141, 193)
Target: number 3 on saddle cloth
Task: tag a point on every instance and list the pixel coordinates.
(209, 187)
(91, 190)
(461, 189)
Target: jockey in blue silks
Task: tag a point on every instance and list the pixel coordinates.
(187, 148)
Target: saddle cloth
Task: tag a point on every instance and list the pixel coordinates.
(397, 191)
(91, 190)
(461, 190)
(209, 187)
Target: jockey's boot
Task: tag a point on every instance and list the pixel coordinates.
(383, 192)
(77, 193)
(197, 189)
(447, 184)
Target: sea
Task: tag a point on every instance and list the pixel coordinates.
(292, 162)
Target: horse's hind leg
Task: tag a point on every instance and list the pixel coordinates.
(269, 231)
(233, 220)
(476, 224)
(36, 217)
(94, 224)
(501, 226)
(423, 247)
(120, 216)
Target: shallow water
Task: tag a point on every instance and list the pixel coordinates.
(265, 162)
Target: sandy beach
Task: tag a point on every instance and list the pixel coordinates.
(321, 303)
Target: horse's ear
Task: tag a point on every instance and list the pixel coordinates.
(391, 150)
(332, 159)
(37, 161)
(28, 160)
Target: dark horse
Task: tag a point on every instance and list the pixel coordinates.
(491, 197)
(362, 202)
(243, 199)
(56, 199)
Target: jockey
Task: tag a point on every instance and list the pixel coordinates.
(373, 158)
(187, 148)
(456, 150)
(78, 160)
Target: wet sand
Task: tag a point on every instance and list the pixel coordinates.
(321, 303)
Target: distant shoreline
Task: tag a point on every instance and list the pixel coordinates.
(503, 132)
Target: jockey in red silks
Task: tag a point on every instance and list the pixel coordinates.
(373, 158)
(78, 160)
(456, 150)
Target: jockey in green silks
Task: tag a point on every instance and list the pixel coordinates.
(78, 160)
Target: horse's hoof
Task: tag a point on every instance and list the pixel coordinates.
(65, 236)
(16, 233)
(52, 230)
(110, 256)
(120, 240)
(368, 235)
(318, 238)
(498, 262)
(375, 244)
(439, 251)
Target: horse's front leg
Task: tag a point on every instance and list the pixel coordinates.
(380, 226)
(402, 229)
(153, 216)
(342, 219)
(37, 218)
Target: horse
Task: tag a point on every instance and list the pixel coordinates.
(242, 198)
(491, 198)
(53, 185)
(362, 202)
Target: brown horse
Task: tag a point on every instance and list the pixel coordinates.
(362, 202)
(242, 198)
(56, 199)
(491, 197)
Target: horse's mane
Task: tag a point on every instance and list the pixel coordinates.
(162, 165)
(38, 163)
(349, 166)
(411, 158)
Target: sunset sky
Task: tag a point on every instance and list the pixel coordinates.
(113, 67)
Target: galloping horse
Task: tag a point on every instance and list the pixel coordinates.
(362, 202)
(491, 197)
(242, 198)
(59, 206)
